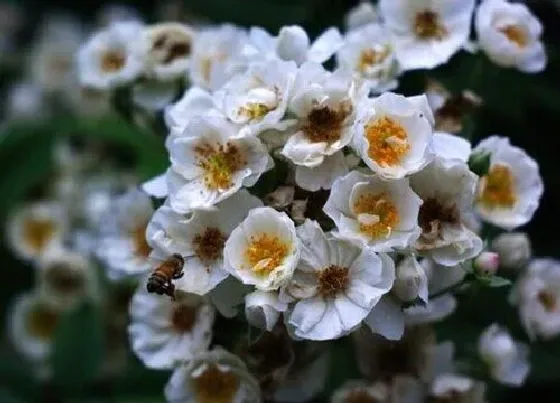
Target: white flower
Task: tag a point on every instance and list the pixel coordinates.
(335, 285)
(514, 249)
(122, 243)
(154, 95)
(427, 33)
(451, 386)
(356, 391)
(451, 149)
(507, 359)
(111, 57)
(113, 13)
(37, 227)
(368, 53)
(394, 134)
(363, 14)
(214, 376)
(511, 35)
(322, 176)
(373, 213)
(259, 97)
(324, 105)
(509, 194)
(447, 191)
(263, 309)
(263, 250)
(168, 50)
(537, 296)
(25, 100)
(411, 281)
(216, 56)
(199, 239)
(210, 162)
(163, 332)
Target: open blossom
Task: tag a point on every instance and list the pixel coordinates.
(263, 250)
(394, 134)
(368, 53)
(210, 162)
(335, 285)
(507, 359)
(213, 376)
(165, 332)
(427, 33)
(514, 249)
(363, 14)
(452, 386)
(509, 194)
(373, 213)
(199, 239)
(511, 35)
(111, 57)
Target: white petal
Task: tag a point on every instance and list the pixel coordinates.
(387, 319)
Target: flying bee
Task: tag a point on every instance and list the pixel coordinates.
(160, 280)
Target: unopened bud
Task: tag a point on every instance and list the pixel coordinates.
(514, 249)
(487, 263)
(411, 281)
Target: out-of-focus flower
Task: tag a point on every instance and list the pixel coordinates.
(509, 194)
(86, 101)
(111, 57)
(370, 212)
(507, 359)
(199, 239)
(211, 162)
(361, 391)
(122, 245)
(115, 13)
(154, 95)
(263, 309)
(263, 250)
(511, 35)
(335, 285)
(487, 263)
(363, 14)
(462, 388)
(394, 134)
(11, 19)
(214, 376)
(537, 296)
(514, 249)
(25, 100)
(163, 333)
(368, 53)
(426, 33)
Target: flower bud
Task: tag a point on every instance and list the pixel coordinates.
(487, 263)
(514, 249)
(411, 281)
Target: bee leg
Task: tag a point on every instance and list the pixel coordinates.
(178, 275)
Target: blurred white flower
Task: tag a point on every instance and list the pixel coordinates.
(199, 239)
(514, 249)
(427, 33)
(116, 12)
(322, 176)
(447, 191)
(373, 213)
(510, 34)
(154, 95)
(368, 53)
(394, 134)
(111, 57)
(461, 388)
(87, 101)
(361, 391)
(507, 359)
(363, 14)
(509, 194)
(163, 332)
(263, 250)
(25, 100)
(122, 244)
(214, 376)
(210, 162)
(263, 309)
(335, 285)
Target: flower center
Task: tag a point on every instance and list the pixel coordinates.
(215, 386)
(324, 124)
(64, 279)
(183, 318)
(41, 322)
(377, 214)
(38, 232)
(427, 25)
(209, 245)
(219, 164)
(388, 141)
(112, 61)
(333, 280)
(433, 214)
(141, 247)
(360, 396)
(254, 110)
(498, 188)
(370, 57)
(265, 253)
(171, 46)
(515, 34)
(547, 300)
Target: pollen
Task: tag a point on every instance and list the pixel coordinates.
(515, 34)
(41, 322)
(38, 232)
(219, 164)
(254, 110)
(215, 386)
(547, 300)
(265, 252)
(112, 61)
(433, 213)
(377, 214)
(64, 278)
(388, 141)
(209, 245)
(141, 247)
(183, 318)
(427, 25)
(333, 280)
(324, 124)
(498, 188)
(370, 57)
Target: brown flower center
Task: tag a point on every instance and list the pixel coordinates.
(387, 140)
(64, 278)
(219, 164)
(547, 300)
(215, 385)
(433, 214)
(324, 124)
(333, 280)
(38, 232)
(113, 61)
(427, 25)
(515, 34)
(41, 322)
(209, 245)
(183, 318)
(141, 247)
(265, 253)
(171, 46)
(360, 396)
(371, 57)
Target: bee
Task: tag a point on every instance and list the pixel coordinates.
(160, 280)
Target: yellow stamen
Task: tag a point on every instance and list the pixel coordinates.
(371, 57)
(112, 61)
(265, 253)
(254, 110)
(377, 214)
(498, 188)
(38, 232)
(209, 245)
(516, 35)
(388, 141)
(332, 280)
(219, 164)
(215, 386)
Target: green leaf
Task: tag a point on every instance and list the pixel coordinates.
(78, 347)
(479, 163)
(493, 281)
